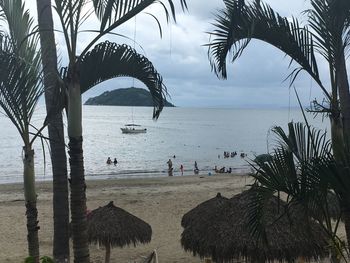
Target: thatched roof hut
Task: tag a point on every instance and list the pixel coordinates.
(223, 234)
(213, 204)
(112, 226)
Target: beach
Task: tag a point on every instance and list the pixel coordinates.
(161, 202)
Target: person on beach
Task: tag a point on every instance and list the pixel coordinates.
(115, 161)
(216, 169)
(109, 161)
(182, 169)
(170, 167)
(196, 170)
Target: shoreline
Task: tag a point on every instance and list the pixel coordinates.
(127, 174)
(160, 201)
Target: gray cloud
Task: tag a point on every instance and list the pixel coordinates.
(255, 79)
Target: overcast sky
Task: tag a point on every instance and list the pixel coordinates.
(256, 79)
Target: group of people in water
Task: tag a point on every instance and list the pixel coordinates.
(109, 161)
(232, 154)
(222, 170)
(195, 170)
(171, 169)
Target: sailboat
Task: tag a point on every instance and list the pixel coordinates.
(132, 128)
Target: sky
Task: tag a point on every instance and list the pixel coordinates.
(256, 79)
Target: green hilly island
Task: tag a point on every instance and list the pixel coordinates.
(124, 97)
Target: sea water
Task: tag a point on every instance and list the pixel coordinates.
(184, 135)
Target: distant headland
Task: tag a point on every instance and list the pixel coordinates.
(125, 97)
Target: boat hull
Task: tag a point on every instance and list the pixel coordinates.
(133, 130)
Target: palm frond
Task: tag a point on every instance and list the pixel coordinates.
(113, 13)
(20, 66)
(20, 39)
(70, 15)
(238, 23)
(109, 60)
(330, 21)
(20, 25)
(279, 173)
(20, 90)
(305, 144)
(302, 168)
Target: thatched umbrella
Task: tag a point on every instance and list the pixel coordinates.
(223, 234)
(112, 226)
(216, 203)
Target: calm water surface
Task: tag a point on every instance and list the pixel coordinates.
(190, 134)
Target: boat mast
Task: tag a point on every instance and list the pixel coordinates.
(133, 79)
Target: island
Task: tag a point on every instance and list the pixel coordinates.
(125, 97)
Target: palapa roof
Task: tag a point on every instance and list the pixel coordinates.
(202, 209)
(223, 235)
(114, 225)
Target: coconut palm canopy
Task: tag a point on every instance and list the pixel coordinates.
(111, 225)
(333, 206)
(223, 234)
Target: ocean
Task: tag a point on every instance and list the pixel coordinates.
(188, 134)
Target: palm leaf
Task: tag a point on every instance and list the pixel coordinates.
(20, 72)
(114, 13)
(20, 25)
(70, 13)
(109, 60)
(330, 21)
(306, 144)
(302, 168)
(238, 23)
(20, 40)
(20, 90)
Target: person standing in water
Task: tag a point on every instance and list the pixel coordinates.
(170, 167)
(182, 169)
(109, 161)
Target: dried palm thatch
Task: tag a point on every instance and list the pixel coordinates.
(202, 209)
(223, 234)
(112, 226)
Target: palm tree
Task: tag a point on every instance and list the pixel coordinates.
(83, 67)
(300, 168)
(327, 33)
(20, 89)
(56, 133)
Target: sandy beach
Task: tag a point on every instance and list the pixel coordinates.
(159, 201)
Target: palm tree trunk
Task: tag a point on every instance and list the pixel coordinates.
(77, 183)
(60, 191)
(78, 201)
(56, 133)
(30, 199)
(344, 99)
(337, 136)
